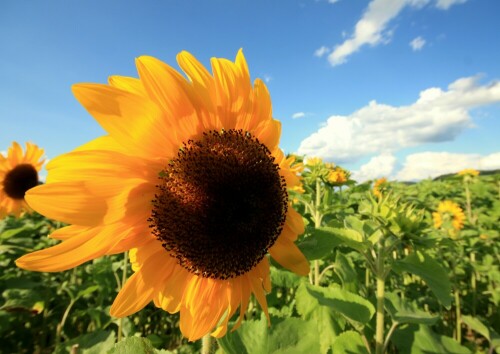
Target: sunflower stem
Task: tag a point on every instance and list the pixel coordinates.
(473, 283)
(124, 279)
(467, 198)
(458, 316)
(206, 344)
(379, 332)
(317, 223)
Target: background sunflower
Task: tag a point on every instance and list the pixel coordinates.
(18, 173)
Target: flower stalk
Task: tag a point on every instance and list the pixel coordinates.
(206, 344)
(380, 276)
(124, 279)
(317, 223)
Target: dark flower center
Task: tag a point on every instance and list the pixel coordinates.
(18, 180)
(220, 204)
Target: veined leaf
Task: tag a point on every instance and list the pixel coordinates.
(403, 311)
(431, 272)
(349, 342)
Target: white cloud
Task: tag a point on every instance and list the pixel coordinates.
(370, 29)
(267, 78)
(436, 116)
(321, 51)
(298, 115)
(446, 4)
(432, 164)
(333, 1)
(379, 166)
(417, 43)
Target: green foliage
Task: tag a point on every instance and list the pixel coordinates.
(434, 287)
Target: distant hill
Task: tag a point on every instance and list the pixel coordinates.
(481, 173)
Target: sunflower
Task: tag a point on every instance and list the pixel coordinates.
(190, 178)
(468, 172)
(448, 211)
(18, 173)
(379, 187)
(314, 161)
(337, 176)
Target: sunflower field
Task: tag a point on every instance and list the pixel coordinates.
(394, 267)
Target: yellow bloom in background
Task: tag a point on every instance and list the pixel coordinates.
(468, 172)
(379, 187)
(190, 178)
(313, 161)
(18, 173)
(298, 189)
(337, 176)
(448, 211)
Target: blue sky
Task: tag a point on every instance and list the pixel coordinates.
(400, 88)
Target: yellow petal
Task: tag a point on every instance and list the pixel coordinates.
(166, 87)
(98, 165)
(142, 287)
(268, 132)
(286, 253)
(69, 202)
(87, 244)
(134, 296)
(129, 84)
(134, 121)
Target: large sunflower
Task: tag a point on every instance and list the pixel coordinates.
(18, 173)
(190, 178)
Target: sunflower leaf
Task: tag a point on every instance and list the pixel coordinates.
(349, 342)
(431, 272)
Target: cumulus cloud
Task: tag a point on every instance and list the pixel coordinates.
(378, 166)
(432, 164)
(267, 78)
(417, 43)
(436, 116)
(298, 115)
(321, 51)
(371, 28)
(446, 4)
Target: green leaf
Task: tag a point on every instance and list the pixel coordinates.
(23, 231)
(403, 311)
(284, 278)
(133, 345)
(23, 300)
(328, 322)
(420, 339)
(346, 272)
(96, 342)
(489, 333)
(431, 272)
(328, 238)
(319, 245)
(290, 337)
(87, 291)
(349, 342)
(352, 306)
(251, 337)
(284, 336)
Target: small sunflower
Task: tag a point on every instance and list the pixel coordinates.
(314, 161)
(190, 178)
(18, 173)
(448, 212)
(337, 176)
(468, 172)
(379, 187)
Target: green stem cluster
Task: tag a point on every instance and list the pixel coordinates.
(124, 279)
